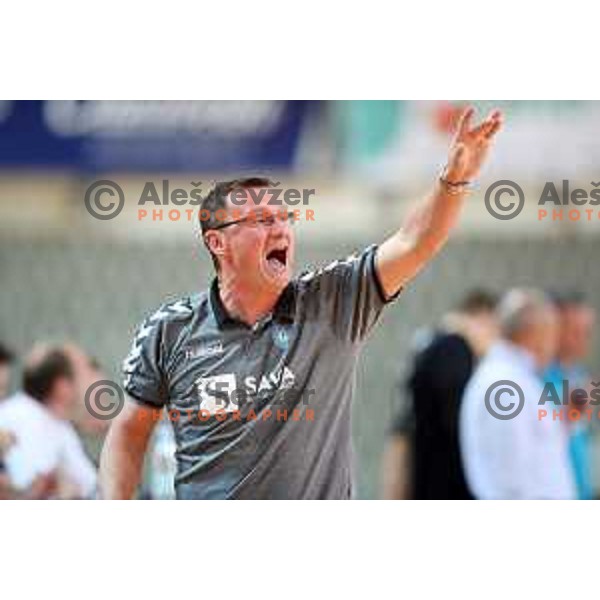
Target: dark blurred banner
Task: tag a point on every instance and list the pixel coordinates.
(150, 135)
(381, 141)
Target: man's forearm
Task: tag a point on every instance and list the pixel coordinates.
(120, 466)
(423, 234)
(397, 468)
(122, 457)
(434, 221)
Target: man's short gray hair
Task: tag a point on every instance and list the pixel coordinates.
(520, 308)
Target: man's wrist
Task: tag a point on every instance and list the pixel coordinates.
(452, 184)
(454, 188)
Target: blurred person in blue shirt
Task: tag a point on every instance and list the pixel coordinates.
(576, 324)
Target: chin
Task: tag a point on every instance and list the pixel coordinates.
(276, 264)
(278, 282)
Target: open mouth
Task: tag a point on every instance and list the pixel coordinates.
(277, 259)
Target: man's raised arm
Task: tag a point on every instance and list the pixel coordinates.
(425, 231)
(124, 449)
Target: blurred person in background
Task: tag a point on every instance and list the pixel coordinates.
(162, 466)
(6, 359)
(7, 440)
(576, 326)
(6, 437)
(86, 371)
(159, 474)
(42, 485)
(45, 446)
(510, 454)
(422, 458)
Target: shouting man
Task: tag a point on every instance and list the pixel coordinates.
(258, 372)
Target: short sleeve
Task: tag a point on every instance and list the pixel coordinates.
(349, 294)
(143, 371)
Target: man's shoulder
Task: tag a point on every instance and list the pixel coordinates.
(21, 412)
(164, 327)
(19, 404)
(312, 273)
(178, 310)
(326, 278)
(182, 307)
(446, 344)
(166, 324)
(495, 372)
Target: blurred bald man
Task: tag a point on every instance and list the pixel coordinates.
(507, 453)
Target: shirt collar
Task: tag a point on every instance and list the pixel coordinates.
(284, 310)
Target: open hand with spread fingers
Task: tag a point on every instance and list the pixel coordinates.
(470, 146)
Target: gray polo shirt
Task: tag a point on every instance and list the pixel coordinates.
(263, 411)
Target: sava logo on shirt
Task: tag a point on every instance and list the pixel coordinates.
(222, 392)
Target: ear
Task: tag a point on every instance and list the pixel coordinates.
(215, 241)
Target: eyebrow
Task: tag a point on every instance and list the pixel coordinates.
(260, 212)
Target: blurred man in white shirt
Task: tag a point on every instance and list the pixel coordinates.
(514, 454)
(45, 443)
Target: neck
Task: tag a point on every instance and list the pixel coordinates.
(468, 328)
(53, 408)
(243, 303)
(524, 343)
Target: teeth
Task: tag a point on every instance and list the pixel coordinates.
(278, 255)
(276, 258)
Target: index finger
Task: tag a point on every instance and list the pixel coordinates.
(465, 121)
(488, 125)
(494, 128)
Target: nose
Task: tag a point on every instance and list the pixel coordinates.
(280, 224)
(280, 232)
